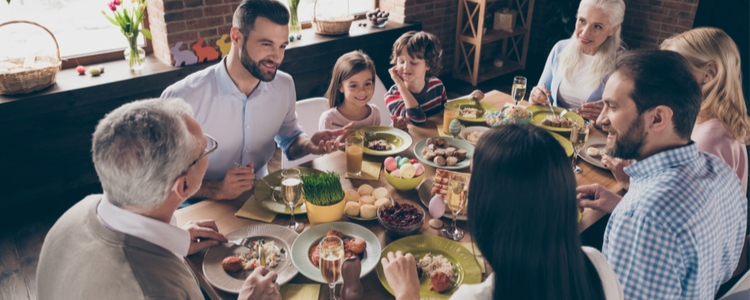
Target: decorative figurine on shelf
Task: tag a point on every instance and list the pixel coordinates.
(437, 209)
(204, 53)
(223, 45)
(454, 127)
(352, 288)
(182, 56)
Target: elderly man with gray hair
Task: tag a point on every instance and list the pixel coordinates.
(150, 156)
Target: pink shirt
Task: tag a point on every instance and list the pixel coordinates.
(333, 119)
(711, 137)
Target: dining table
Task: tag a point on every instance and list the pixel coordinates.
(223, 212)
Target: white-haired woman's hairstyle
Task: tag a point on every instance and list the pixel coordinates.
(606, 56)
(140, 148)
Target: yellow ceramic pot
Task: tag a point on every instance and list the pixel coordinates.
(324, 214)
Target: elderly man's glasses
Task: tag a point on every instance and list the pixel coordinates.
(211, 145)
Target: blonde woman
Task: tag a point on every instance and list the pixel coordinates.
(723, 126)
(577, 67)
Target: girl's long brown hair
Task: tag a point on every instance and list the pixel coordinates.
(347, 66)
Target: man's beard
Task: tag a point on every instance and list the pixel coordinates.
(629, 144)
(254, 67)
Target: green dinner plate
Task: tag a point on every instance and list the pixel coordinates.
(467, 268)
(566, 144)
(312, 236)
(466, 102)
(263, 193)
(458, 143)
(540, 112)
(397, 139)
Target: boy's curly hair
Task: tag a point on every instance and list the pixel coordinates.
(420, 45)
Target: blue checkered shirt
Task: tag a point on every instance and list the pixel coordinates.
(678, 232)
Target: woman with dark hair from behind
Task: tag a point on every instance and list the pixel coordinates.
(523, 217)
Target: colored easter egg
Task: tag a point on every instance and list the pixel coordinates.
(454, 127)
(396, 173)
(437, 206)
(407, 171)
(390, 164)
(418, 170)
(403, 161)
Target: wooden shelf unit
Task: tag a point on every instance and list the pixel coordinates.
(470, 39)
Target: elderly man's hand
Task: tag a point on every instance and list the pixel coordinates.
(206, 231)
(261, 284)
(324, 141)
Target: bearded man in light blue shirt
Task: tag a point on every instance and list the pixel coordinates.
(678, 232)
(248, 105)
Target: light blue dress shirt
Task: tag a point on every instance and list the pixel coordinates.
(678, 232)
(551, 76)
(248, 128)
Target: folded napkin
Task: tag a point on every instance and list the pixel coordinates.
(370, 171)
(291, 291)
(254, 211)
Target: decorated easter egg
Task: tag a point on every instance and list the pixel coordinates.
(407, 171)
(398, 158)
(403, 161)
(437, 206)
(454, 127)
(396, 173)
(390, 164)
(418, 170)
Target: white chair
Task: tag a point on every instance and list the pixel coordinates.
(378, 99)
(308, 115)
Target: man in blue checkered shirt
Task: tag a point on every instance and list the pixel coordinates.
(678, 232)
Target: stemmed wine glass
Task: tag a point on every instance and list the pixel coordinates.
(456, 202)
(291, 190)
(519, 88)
(579, 134)
(331, 258)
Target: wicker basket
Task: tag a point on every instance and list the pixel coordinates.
(331, 27)
(27, 81)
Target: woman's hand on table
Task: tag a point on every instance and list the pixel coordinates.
(204, 234)
(616, 165)
(597, 197)
(261, 284)
(591, 110)
(401, 273)
(539, 95)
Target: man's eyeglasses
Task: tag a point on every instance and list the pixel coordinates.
(211, 145)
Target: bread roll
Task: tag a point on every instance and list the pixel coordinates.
(352, 209)
(351, 196)
(380, 192)
(368, 211)
(367, 199)
(365, 189)
(383, 201)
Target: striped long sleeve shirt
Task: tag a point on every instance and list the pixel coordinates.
(430, 99)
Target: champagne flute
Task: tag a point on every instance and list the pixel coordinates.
(579, 134)
(331, 258)
(291, 190)
(519, 88)
(456, 202)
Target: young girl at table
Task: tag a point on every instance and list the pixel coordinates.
(417, 92)
(528, 235)
(352, 86)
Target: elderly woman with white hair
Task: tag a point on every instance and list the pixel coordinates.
(576, 68)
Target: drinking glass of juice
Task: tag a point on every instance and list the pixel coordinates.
(354, 146)
(449, 114)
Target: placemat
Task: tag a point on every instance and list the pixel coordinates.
(253, 211)
(293, 291)
(370, 171)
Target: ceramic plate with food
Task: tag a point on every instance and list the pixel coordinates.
(593, 151)
(276, 240)
(264, 197)
(362, 203)
(384, 140)
(444, 152)
(544, 118)
(425, 195)
(470, 112)
(303, 247)
(565, 143)
(472, 134)
(463, 265)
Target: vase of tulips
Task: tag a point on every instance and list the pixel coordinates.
(129, 16)
(294, 26)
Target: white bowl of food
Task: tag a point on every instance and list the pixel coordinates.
(472, 134)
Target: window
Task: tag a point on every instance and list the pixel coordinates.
(78, 25)
(305, 10)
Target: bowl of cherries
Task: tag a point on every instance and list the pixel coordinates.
(401, 219)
